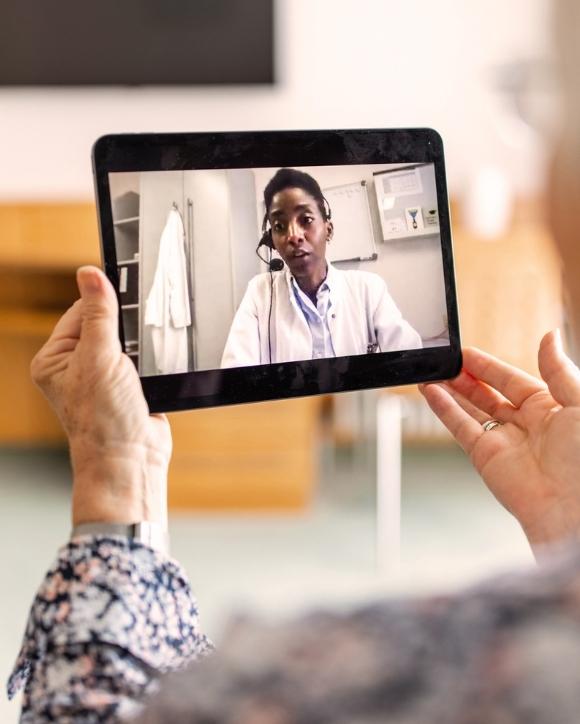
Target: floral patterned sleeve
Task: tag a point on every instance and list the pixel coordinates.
(110, 616)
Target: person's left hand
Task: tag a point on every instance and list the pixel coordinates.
(119, 452)
(531, 462)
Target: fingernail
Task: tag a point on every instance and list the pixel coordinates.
(89, 280)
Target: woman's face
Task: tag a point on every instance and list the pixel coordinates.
(299, 232)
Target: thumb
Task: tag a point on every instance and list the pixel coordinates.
(558, 371)
(99, 309)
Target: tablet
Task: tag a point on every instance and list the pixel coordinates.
(273, 264)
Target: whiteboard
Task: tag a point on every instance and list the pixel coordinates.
(353, 237)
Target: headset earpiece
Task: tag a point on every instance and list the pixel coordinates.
(266, 239)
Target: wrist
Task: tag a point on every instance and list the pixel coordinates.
(552, 527)
(150, 534)
(121, 483)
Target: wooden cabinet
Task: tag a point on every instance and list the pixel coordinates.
(55, 237)
(259, 456)
(25, 416)
(509, 288)
(41, 245)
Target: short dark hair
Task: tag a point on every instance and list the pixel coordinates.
(291, 178)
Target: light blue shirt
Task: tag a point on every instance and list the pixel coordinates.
(317, 318)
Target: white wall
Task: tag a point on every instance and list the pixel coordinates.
(341, 63)
(245, 231)
(212, 267)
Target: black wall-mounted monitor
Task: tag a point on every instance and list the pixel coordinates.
(136, 42)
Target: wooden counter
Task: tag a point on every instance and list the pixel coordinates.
(510, 288)
(55, 237)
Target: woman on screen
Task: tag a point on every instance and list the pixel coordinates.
(304, 308)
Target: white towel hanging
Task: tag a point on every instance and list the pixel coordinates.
(167, 309)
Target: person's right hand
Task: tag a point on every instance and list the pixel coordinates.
(531, 463)
(119, 452)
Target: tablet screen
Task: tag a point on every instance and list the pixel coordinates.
(252, 266)
(226, 268)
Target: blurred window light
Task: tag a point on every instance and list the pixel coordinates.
(488, 203)
(531, 92)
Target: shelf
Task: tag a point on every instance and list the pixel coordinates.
(129, 306)
(126, 222)
(432, 231)
(132, 354)
(126, 262)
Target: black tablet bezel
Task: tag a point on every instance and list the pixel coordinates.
(255, 149)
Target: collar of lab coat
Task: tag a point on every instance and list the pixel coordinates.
(332, 280)
(299, 337)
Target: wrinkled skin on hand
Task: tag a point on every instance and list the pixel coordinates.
(531, 463)
(119, 452)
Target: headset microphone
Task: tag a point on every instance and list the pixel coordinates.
(273, 265)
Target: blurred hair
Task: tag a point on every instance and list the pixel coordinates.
(566, 20)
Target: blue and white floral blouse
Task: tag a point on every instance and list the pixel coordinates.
(110, 615)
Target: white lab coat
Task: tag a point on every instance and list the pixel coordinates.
(362, 313)
(167, 309)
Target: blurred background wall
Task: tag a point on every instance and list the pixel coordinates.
(338, 63)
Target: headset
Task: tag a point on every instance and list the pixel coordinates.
(266, 240)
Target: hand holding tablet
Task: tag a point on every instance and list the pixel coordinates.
(254, 266)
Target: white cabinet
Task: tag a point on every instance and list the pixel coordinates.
(126, 218)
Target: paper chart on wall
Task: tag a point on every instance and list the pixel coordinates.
(402, 183)
(407, 207)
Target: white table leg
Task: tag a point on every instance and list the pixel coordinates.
(388, 483)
